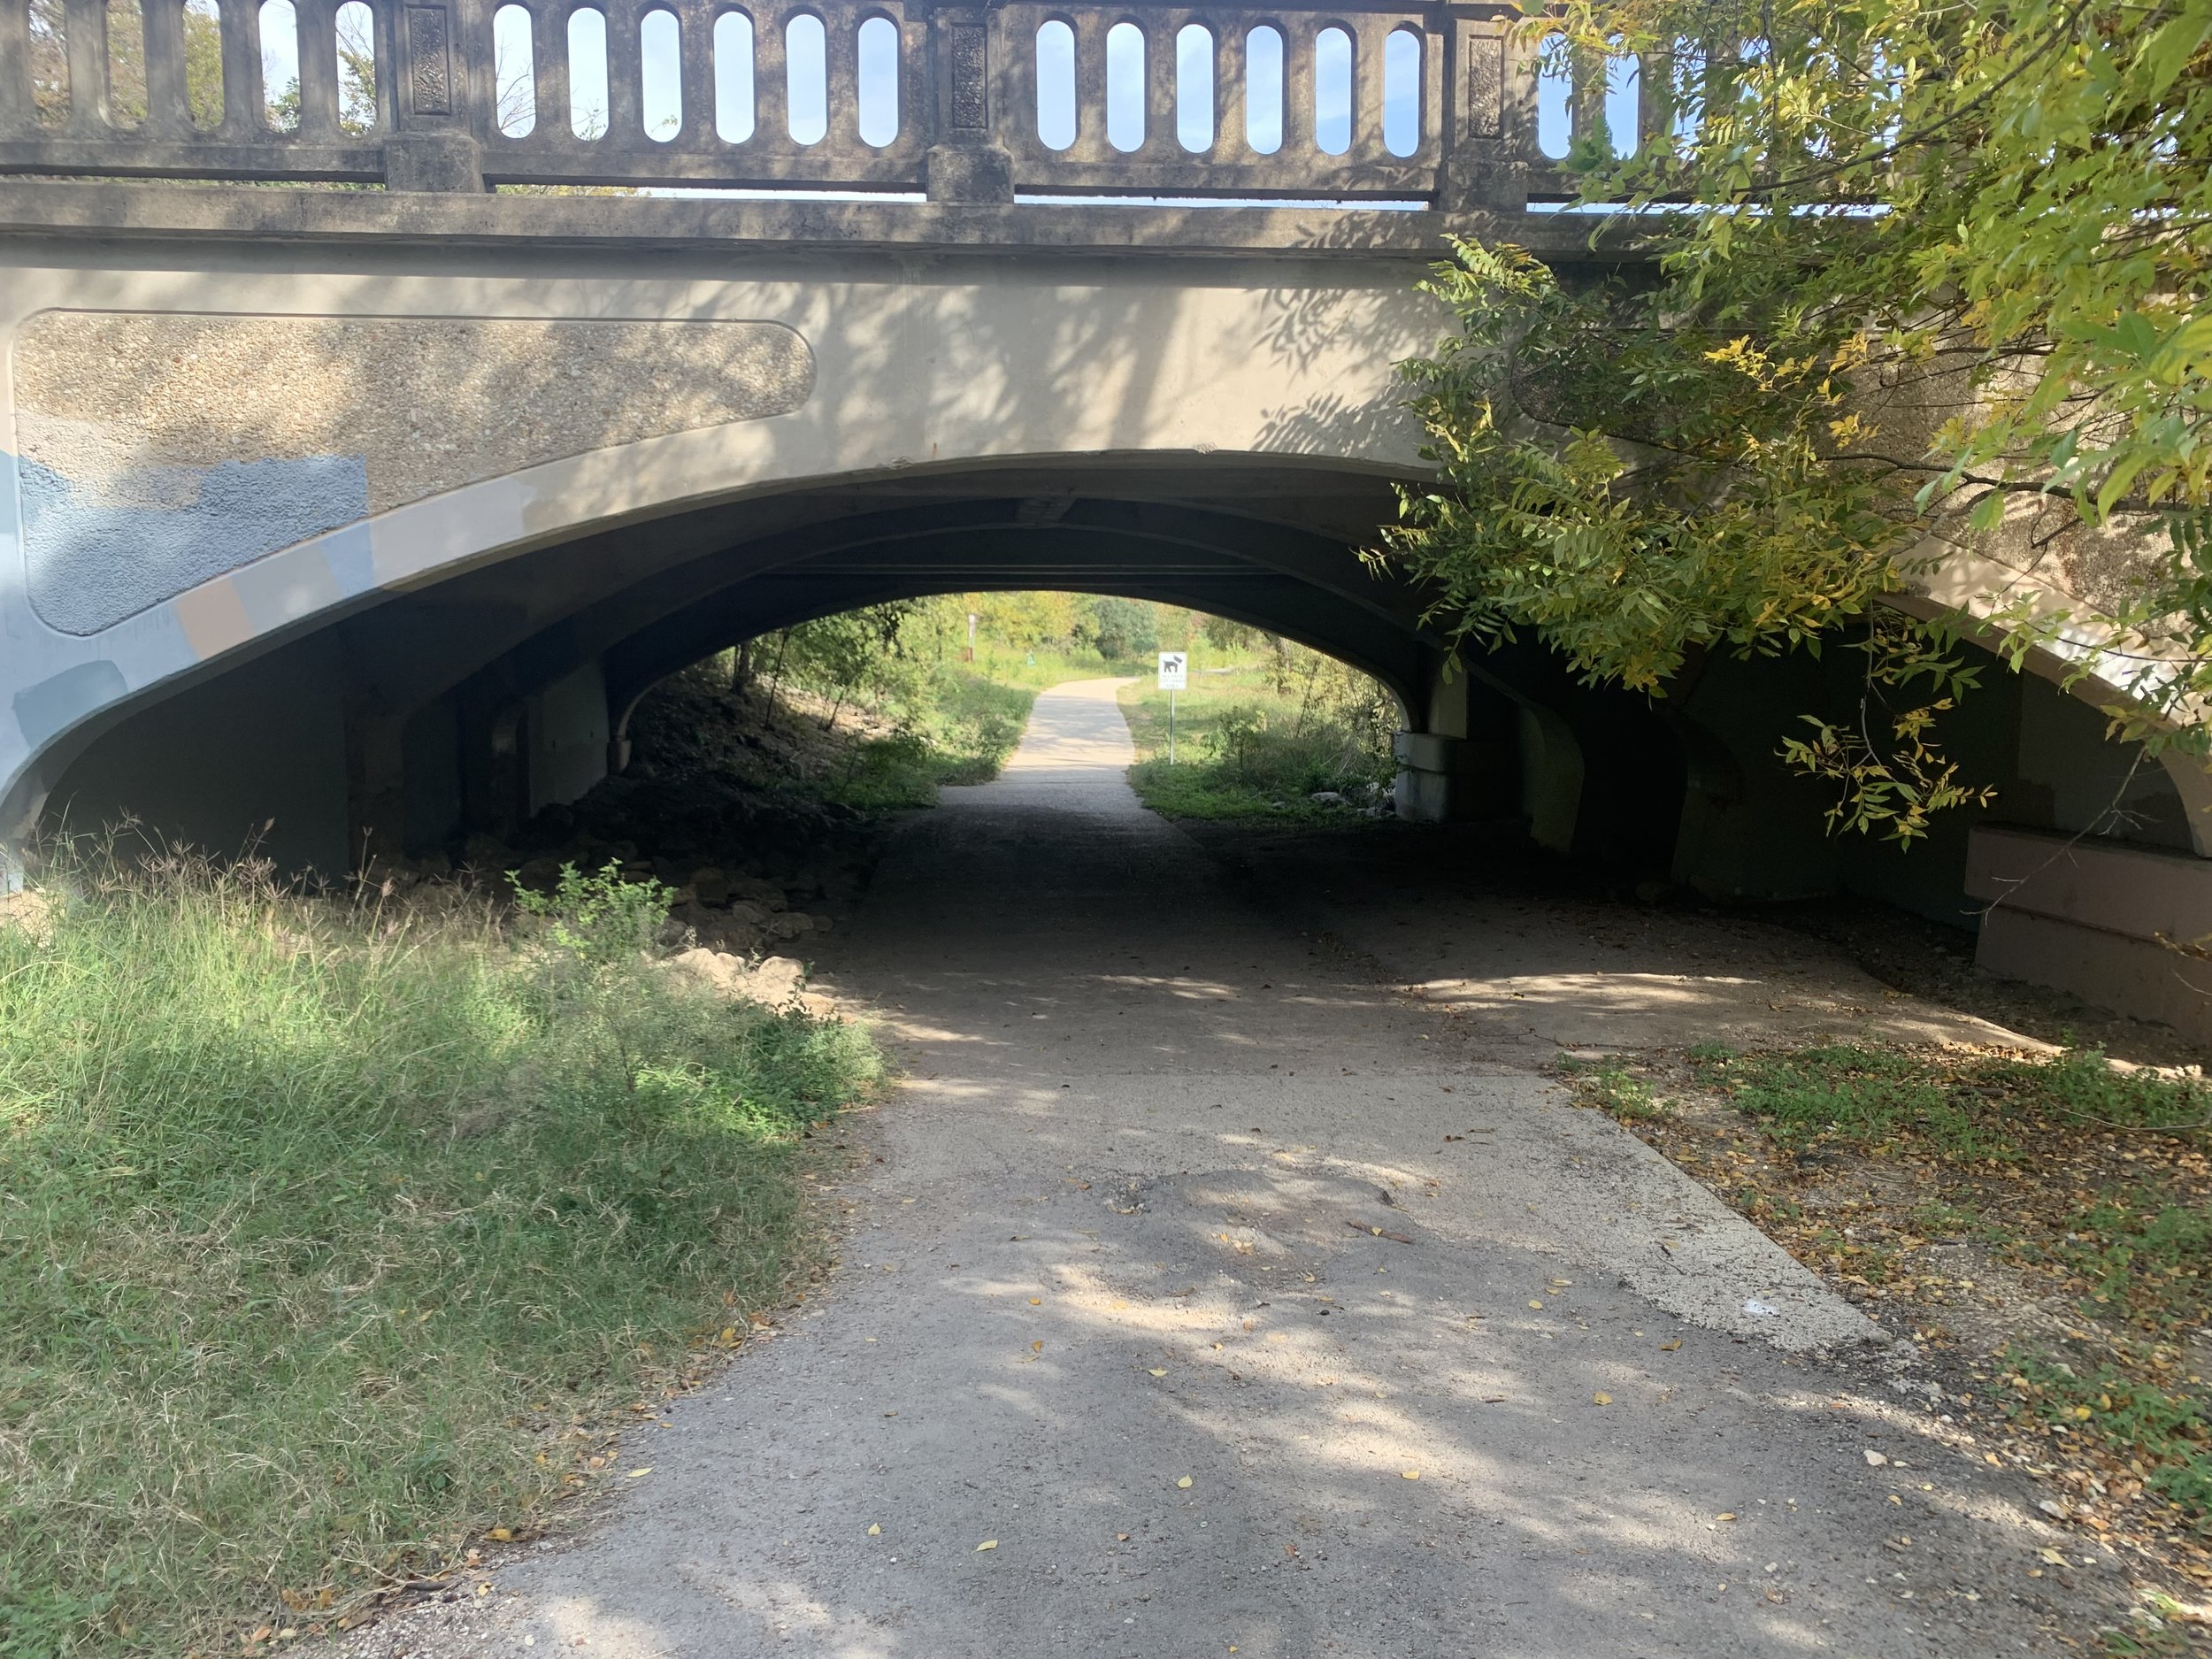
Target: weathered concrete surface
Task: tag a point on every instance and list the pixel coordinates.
(1174, 1194)
(158, 452)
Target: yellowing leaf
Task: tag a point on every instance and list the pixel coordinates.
(988, 1543)
(1184, 1482)
(1158, 1371)
(1601, 1399)
(1669, 1348)
(1726, 1514)
(501, 1534)
(1533, 1302)
(1408, 1474)
(1036, 1348)
(2054, 1558)
(875, 1530)
(1036, 1302)
(635, 1473)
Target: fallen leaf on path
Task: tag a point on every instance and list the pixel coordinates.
(635, 1473)
(1408, 1474)
(1534, 1303)
(1875, 1460)
(988, 1543)
(1602, 1399)
(1036, 1302)
(1669, 1348)
(2054, 1558)
(1184, 1482)
(501, 1534)
(1726, 1514)
(1036, 1348)
(1158, 1371)
(875, 1531)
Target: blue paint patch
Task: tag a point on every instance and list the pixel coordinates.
(56, 704)
(92, 563)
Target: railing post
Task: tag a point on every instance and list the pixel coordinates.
(431, 146)
(966, 162)
(1490, 114)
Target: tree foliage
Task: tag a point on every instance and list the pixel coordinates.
(1921, 268)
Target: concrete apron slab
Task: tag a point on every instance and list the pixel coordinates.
(1199, 1298)
(1520, 1169)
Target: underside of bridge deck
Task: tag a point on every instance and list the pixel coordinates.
(466, 706)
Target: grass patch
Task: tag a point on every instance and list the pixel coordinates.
(1248, 747)
(2163, 1435)
(325, 1233)
(1962, 1109)
(961, 732)
(1611, 1087)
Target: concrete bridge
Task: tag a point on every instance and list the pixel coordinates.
(367, 510)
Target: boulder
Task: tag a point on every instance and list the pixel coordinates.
(774, 982)
(758, 890)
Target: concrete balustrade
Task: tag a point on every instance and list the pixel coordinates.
(881, 95)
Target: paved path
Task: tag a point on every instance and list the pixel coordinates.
(1208, 1297)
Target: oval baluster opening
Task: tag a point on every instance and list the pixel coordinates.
(660, 46)
(126, 64)
(1263, 90)
(1401, 112)
(1623, 99)
(806, 79)
(1555, 100)
(1195, 88)
(203, 27)
(1124, 87)
(1055, 85)
(49, 62)
(876, 82)
(514, 73)
(734, 109)
(1332, 91)
(354, 25)
(1688, 72)
(587, 74)
(280, 66)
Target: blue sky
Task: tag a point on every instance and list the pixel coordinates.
(880, 116)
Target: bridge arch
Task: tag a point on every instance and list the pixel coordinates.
(350, 510)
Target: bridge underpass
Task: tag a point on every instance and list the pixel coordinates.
(346, 517)
(370, 512)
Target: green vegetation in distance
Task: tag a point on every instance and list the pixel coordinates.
(1924, 270)
(326, 1233)
(1264, 725)
(1265, 721)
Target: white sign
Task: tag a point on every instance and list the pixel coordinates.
(1174, 671)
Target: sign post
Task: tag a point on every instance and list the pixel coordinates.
(1174, 677)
